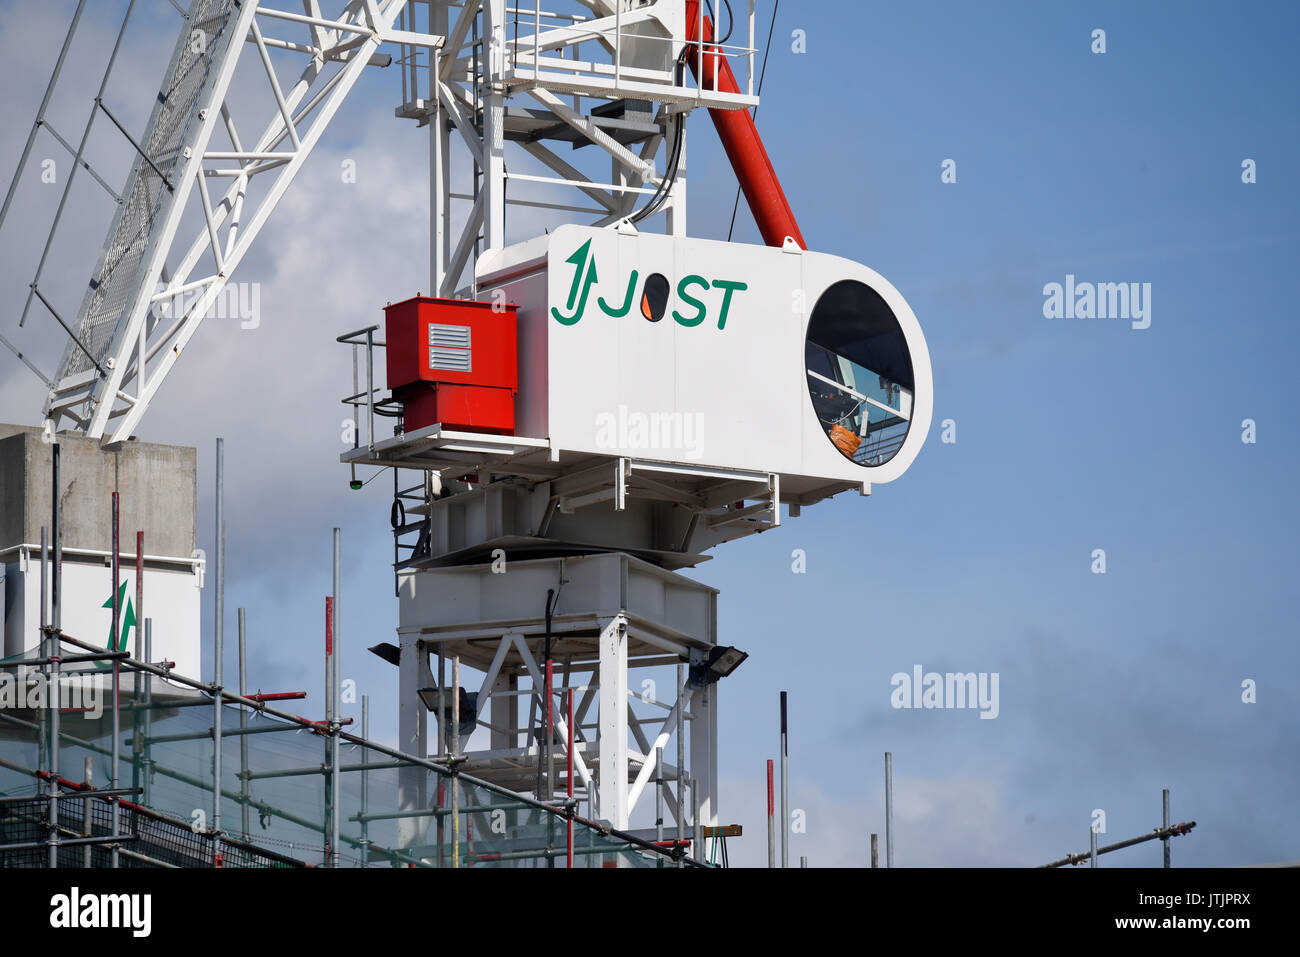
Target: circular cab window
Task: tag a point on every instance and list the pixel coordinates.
(859, 373)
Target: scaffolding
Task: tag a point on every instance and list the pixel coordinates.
(277, 770)
(172, 751)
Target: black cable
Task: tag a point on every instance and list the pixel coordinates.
(762, 74)
(670, 177)
(731, 19)
(670, 171)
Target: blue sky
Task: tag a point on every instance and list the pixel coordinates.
(1072, 435)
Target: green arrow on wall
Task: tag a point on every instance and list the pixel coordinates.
(116, 643)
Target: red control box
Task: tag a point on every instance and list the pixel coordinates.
(455, 362)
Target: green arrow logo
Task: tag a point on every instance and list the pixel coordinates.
(118, 642)
(581, 258)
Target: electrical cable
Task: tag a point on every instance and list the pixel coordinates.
(669, 179)
(731, 20)
(670, 172)
(660, 196)
(373, 477)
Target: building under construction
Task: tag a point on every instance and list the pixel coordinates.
(541, 407)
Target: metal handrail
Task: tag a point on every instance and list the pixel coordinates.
(531, 44)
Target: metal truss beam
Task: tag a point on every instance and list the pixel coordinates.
(147, 342)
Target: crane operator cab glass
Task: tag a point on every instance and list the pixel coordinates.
(859, 373)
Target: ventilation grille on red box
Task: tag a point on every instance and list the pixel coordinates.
(450, 348)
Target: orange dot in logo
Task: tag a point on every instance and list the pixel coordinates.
(654, 297)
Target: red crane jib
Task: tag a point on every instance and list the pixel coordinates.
(740, 139)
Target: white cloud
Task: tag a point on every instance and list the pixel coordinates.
(956, 820)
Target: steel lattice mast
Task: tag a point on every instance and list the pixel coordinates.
(482, 73)
(126, 339)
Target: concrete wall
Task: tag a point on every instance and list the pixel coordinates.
(156, 484)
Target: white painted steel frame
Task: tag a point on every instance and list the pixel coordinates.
(615, 797)
(479, 71)
(143, 353)
(475, 77)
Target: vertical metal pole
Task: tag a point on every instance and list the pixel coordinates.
(718, 56)
(243, 726)
(87, 816)
(436, 225)
(218, 653)
(356, 392)
(336, 696)
(659, 800)
(56, 573)
(681, 760)
(569, 837)
(785, 788)
(771, 817)
(137, 647)
(45, 582)
(119, 642)
(397, 551)
(370, 390)
(365, 782)
(875, 851)
(889, 809)
(1165, 802)
(407, 55)
(439, 160)
(220, 599)
(1092, 840)
(117, 580)
(697, 831)
(803, 862)
(749, 67)
(442, 702)
(148, 713)
(54, 650)
(43, 731)
(137, 652)
(455, 757)
(331, 632)
(494, 181)
(699, 40)
(549, 721)
(442, 826)
(329, 722)
(614, 724)
(54, 758)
